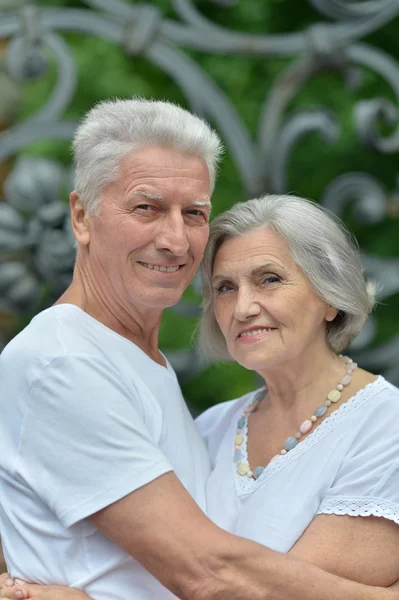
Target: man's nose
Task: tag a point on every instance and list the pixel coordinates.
(246, 305)
(172, 236)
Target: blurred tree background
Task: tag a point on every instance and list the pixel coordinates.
(104, 71)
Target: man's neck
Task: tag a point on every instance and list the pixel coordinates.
(140, 329)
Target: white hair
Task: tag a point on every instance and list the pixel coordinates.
(114, 128)
(320, 245)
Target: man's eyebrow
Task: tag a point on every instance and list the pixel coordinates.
(203, 202)
(144, 193)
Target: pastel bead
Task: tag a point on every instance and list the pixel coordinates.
(327, 402)
(241, 422)
(340, 387)
(242, 469)
(259, 470)
(306, 426)
(283, 451)
(290, 443)
(313, 418)
(334, 396)
(249, 473)
(319, 412)
(353, 366)
(237, 456)
(238, 439)
(298, 435)
(275, 457)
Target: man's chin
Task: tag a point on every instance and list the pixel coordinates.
(165, 298)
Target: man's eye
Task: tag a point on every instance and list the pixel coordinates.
(144, 206)
(198, 214)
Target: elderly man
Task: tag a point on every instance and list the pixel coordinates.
(102, 470)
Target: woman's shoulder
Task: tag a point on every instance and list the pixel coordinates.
(371, 415)
(381, 399)
(379, 395)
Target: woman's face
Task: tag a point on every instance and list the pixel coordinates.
(265, 306)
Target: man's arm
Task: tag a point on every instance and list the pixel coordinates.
(164, 529)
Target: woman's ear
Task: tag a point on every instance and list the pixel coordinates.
(331, 313)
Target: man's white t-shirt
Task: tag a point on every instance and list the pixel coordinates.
(86, 418)
(348, 465)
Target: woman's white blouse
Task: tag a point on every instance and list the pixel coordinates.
(348, 465)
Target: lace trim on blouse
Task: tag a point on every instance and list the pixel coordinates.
(360, 507)
(246, 485)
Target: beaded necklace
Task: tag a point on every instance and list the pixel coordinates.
(291, 442)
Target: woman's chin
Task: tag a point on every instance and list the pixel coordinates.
(252, 363)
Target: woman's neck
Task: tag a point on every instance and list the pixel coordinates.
(298, 382)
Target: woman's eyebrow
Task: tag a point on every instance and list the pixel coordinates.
(219, 278)
(254, 273)
(267, 265)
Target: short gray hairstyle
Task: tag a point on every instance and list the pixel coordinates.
(320, 245)
(114, 128)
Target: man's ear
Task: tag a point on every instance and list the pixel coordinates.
(80, 225)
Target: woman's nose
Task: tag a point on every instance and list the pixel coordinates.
(246, 305)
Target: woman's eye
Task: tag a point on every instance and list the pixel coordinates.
(224, 288)
(271, 279)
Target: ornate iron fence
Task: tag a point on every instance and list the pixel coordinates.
(36, 245)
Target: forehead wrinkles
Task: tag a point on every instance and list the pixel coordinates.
(162, 172)
(253, 255)
(174, 180)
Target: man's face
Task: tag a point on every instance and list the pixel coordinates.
(149, 238)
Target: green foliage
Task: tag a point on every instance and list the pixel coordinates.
(105, 71)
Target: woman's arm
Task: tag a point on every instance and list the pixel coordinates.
(363, 549)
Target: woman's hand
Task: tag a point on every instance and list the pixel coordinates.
(11, 588)
(16, 589)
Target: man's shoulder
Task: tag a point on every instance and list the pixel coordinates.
(38, 339)
(53, 340)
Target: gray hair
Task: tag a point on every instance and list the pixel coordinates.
(320, 245)
(114, 128)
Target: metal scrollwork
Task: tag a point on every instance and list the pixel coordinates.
(36, 246)
(37, 251)
(342, 9)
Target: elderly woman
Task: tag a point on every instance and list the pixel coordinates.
(317, 445)
(295, 461)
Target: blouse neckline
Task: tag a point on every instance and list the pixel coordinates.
(247, 485)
